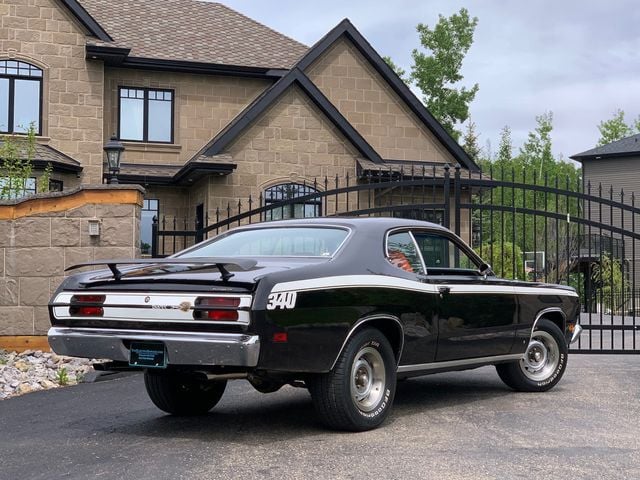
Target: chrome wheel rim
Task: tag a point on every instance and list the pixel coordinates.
(541, 358)
(367, 379)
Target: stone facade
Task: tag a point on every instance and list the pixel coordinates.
(293, 141)
(204, 105)
(367, 101)
(42, 33)
(42, 236)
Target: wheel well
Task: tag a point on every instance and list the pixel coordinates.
(555, 317)
(390, 329)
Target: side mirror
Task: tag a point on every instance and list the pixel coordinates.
(485, 270)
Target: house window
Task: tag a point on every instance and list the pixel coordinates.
(288, 193)
(11, 188)
(20, 97)
(149, 213)
(146, 115)
(56, 185)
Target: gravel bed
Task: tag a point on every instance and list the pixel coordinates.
(34, 370)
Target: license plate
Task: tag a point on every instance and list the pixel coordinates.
(150, 355)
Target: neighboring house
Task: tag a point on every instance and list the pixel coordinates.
(210, 105)
(614, 165)
(612, 171)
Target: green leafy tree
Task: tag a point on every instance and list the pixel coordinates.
(16, 155)
(615, 128)
(470, 141)
(533, 165)
(437, 71)
(608, 277)
(503, 257)
(397, 69)
(44, 179)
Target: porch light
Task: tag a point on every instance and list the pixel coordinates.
(114, 150)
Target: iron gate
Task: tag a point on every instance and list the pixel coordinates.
(527, 227)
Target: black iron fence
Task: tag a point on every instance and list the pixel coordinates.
(526, 226)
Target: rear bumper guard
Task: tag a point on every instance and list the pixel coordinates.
(183, 348)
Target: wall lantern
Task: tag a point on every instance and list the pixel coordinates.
(114, 150)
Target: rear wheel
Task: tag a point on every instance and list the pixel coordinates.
(181, 394)
(358, 393)
(543, 364)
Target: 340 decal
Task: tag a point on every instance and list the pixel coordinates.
(282, 300)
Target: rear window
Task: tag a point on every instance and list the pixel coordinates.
(273, 242)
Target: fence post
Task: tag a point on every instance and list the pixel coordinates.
(447, 194)
(456, 198)
(154, 237)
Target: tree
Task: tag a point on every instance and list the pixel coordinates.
(615, 128)
(505, 148)
(437, 71)
(534, 165)
(16, 165)
(470, 141)
(397, 69)
(608, 276)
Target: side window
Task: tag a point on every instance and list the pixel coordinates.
(402, 252)
(439, 251)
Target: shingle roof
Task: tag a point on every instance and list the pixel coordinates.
(45, 154)
(193, 30)
(624, 147)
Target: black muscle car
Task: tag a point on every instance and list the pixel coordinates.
(342, 306)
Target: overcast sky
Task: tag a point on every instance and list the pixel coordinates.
(578, 59)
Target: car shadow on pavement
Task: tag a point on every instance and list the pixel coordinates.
(252, 418)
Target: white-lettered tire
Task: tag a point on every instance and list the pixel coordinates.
(544, 361)
(182, 395)
(358, 393)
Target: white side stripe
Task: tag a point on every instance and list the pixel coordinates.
(373, 281)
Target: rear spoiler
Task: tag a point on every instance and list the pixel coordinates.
(220, 263)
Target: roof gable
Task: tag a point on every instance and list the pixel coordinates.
(346, 29)
(627, 146)
(295, 77)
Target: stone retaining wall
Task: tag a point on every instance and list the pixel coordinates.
(42, 235)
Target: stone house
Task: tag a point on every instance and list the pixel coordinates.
(210, 105)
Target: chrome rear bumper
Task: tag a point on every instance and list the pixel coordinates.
(183, 348)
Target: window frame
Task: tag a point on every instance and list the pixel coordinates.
(145, 114)
(11, 100)
(477, 260)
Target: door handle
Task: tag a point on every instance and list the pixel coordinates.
(444, 290)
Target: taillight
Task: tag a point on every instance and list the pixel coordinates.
(87, 305)
(221, 309)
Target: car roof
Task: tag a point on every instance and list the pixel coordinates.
(356, 223)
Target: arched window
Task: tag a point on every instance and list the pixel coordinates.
(288, 193)
(20, 97)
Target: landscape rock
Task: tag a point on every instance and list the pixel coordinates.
(32, 370)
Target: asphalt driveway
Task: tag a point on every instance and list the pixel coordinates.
(463, 425)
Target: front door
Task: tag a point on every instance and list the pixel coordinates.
(476, 316)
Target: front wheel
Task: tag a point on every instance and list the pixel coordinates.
(543, 364)
(182, 394)
(358, 393)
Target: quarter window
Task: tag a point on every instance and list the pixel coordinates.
(20, 97)
(145, 115)
(402, 252)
